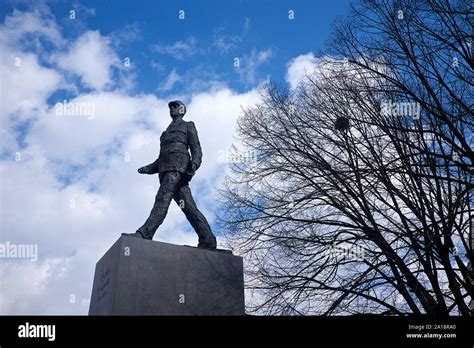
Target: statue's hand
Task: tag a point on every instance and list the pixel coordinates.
(193, 167)
(144, 170)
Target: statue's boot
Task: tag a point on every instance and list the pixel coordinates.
(137, 234)
(208, 243)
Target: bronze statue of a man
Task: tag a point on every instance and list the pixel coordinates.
(176, 168)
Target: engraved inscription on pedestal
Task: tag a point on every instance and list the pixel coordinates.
(104, 281)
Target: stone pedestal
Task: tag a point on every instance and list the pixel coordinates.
(143, 277)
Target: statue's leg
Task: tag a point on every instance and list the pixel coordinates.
(184, 199)
(169, 183)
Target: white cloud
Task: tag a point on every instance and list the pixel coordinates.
(91, 58)
(25, 83)
(83, 11)
(179, 49)
(39, 22)
(157, 65)
(299, 67)
(127, 33)
(170, 81)
(215, 116)
(28, 282)
(249, 64)
(24, 87)
(116, 116)
(225, 42)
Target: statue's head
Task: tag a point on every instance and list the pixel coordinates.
(177, 108)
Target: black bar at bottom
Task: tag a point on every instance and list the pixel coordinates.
(134, 331)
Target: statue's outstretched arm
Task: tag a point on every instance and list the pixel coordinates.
(152, 168)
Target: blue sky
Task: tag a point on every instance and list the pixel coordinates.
(69, 183)
(212, 34)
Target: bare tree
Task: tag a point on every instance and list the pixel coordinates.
(360, 198)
